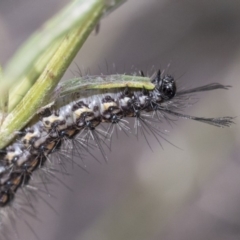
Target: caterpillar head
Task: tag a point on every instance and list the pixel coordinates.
(165, 85)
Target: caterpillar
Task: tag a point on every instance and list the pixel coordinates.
(82, 117)
(76, 115)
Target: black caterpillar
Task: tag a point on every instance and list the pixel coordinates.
(35, 143)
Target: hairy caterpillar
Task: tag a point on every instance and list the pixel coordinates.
(72, 121)
(212, 63)
(81, 118)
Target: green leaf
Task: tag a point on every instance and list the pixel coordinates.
(52, 55)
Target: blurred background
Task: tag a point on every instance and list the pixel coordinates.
(189, 192)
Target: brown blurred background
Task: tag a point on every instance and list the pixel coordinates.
(170, 193)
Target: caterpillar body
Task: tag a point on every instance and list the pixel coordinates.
(80, 115)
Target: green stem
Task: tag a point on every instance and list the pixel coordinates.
(28, 63)
(53, 72)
